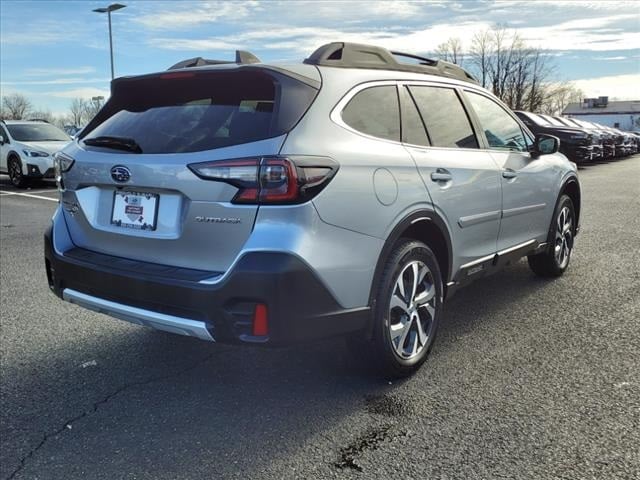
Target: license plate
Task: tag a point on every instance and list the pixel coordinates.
(137, 210)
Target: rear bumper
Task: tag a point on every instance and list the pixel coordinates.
(299, 306)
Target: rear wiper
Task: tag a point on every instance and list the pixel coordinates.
(117, 143)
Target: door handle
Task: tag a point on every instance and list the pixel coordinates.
(441, 175)
(508, 173)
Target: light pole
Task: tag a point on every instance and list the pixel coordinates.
(111, 8)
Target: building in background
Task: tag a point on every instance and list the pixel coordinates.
(624, 114)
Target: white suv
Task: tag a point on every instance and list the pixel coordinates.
(27, 148)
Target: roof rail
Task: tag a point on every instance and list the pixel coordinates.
(354, 55)
(242, 57)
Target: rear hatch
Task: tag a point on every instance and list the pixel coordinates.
(130, 191)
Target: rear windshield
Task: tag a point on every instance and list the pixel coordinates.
(179, 112)
(37, 132)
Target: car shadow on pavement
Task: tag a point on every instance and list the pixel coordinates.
(161, 406)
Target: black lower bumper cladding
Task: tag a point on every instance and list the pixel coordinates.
(299, 306)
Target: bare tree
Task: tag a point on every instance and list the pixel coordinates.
(480, 55)
(516, 73)
(15, 106)
(92, 107)
(558, 96)
(451, 51)
(77, 111)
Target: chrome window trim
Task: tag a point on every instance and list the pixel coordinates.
(336, 112)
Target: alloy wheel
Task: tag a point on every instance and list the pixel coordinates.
(15, 172)
(412, 310)
(564, 237)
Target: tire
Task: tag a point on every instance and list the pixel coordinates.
(405, 329)
(15, 173)
(554, 261)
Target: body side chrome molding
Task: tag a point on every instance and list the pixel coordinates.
(478, 218)
(499, 254)
(516, 247)
(139, 316)
(521, 210)
(478, 261)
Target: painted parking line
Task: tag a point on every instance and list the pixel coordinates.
(40, 197)
(30, 192)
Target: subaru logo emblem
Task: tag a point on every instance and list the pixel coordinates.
(120, 173)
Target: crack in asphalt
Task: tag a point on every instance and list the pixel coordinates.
(385, 405)
(370, 440)
(67, 424)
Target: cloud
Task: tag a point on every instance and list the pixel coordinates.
(42, 72)
(303, 40)
(184, 15)
(618, 86)
(187, 44)
(195, 14)
(592, 34)
(59, 81)
(85, 92)
(585, 34)
(44, 29)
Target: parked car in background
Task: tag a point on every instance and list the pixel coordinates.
(607, 139)
(622, 141)
(635, 138)
(27, 148)
(575, 142)
(596, 137)
(270, 204)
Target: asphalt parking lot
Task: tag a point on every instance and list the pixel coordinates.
(529, 378)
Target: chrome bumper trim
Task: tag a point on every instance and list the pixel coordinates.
(139, 316)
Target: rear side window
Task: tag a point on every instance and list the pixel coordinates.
(178, 112)
(501, 130)
(375, 111)
(444, 116)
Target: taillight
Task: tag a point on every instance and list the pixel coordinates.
(270, 180)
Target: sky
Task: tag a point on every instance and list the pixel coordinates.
(55, 50)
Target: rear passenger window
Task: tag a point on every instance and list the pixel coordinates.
(444, 116)
(375, 111)
(501, 130)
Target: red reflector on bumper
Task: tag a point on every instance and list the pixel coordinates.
(260, 321)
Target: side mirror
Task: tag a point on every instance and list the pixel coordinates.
(1, 140)
(545, 145)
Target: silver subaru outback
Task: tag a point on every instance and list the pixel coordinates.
(346, 195)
